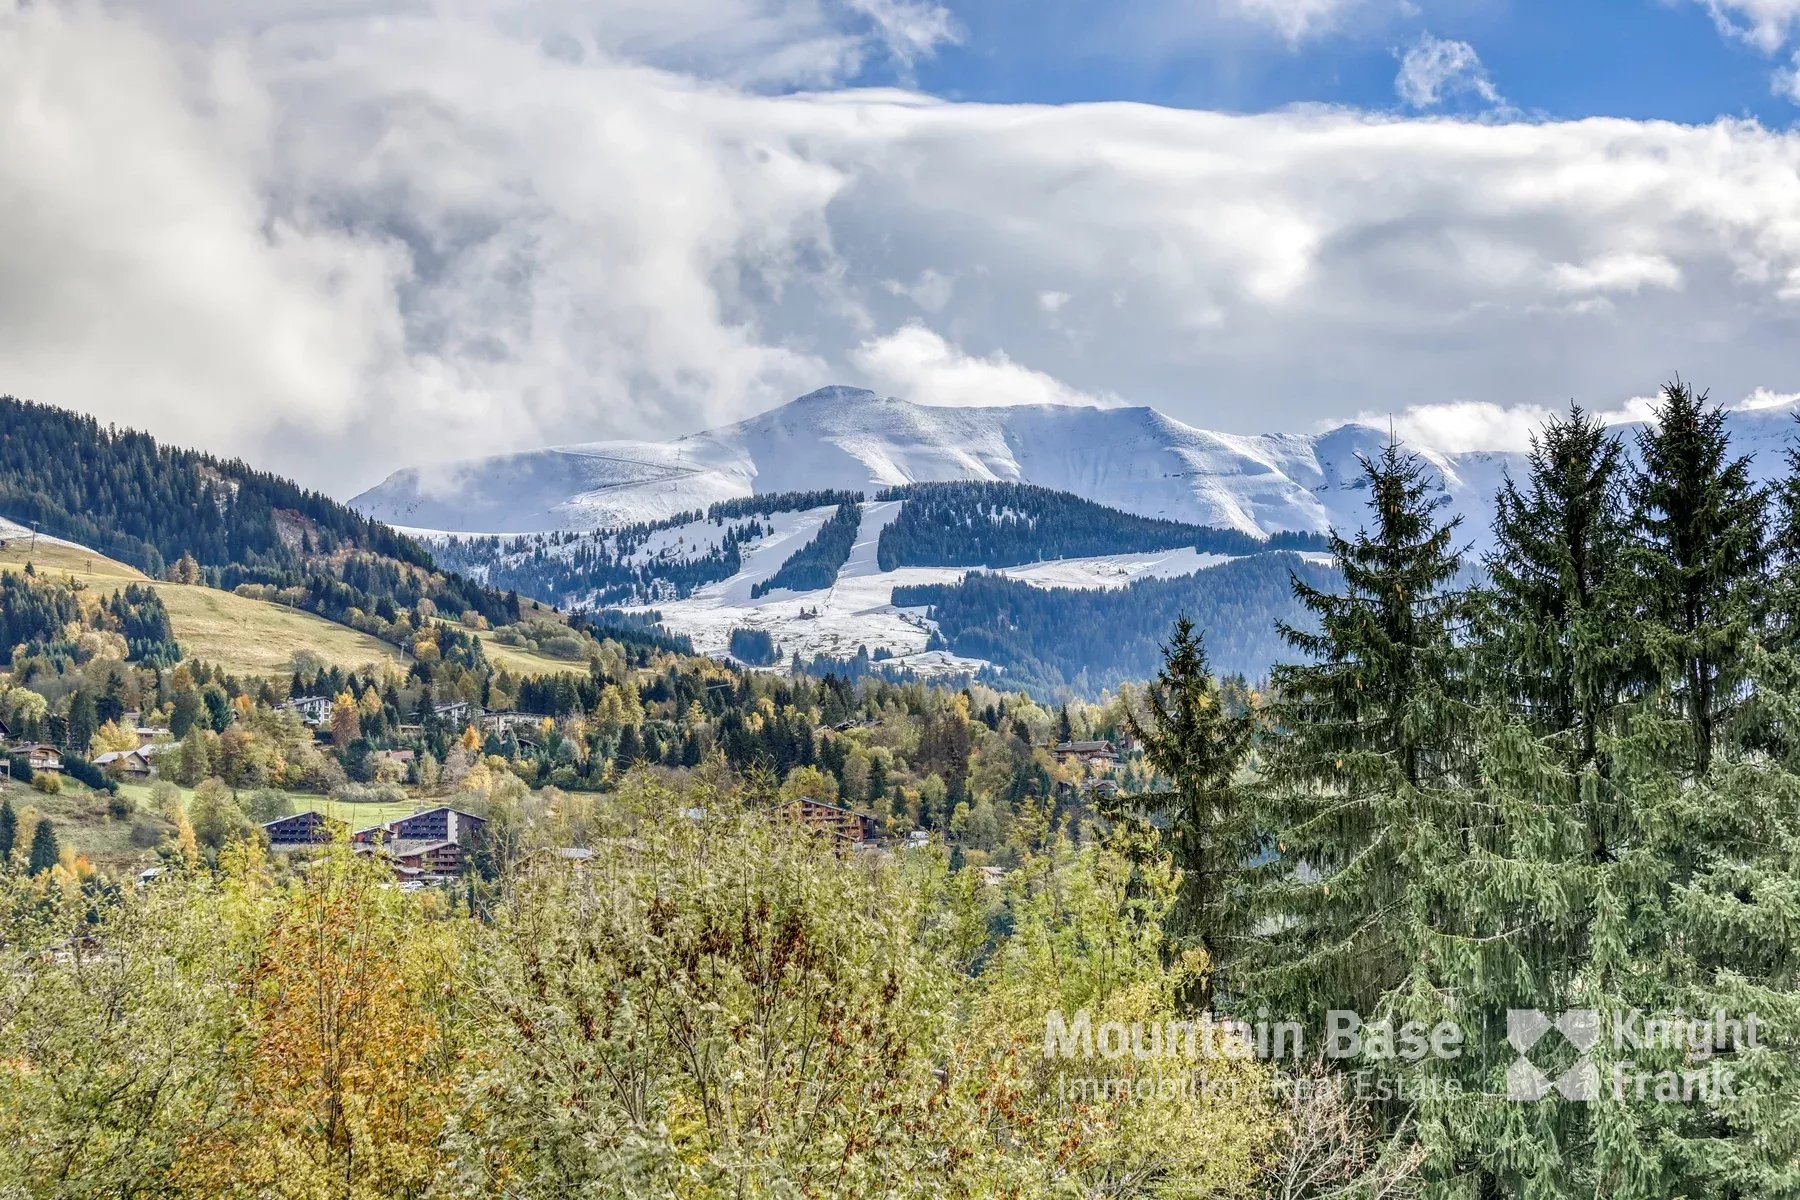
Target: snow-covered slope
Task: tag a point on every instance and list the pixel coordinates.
(858, 609)
(1134, 459)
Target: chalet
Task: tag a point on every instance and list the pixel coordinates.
(843, 823)
(441, 824)
(314, 710)
(427, 860)
(146, 736)
(1100, 754)
(40, 757)
(403, 757)
(429, 846)
(133, 764)
(300, 830)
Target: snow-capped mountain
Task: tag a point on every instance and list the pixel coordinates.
(712, 576)
(1137, 460)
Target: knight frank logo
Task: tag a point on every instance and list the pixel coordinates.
(1693, 1044)
(1525, 1028)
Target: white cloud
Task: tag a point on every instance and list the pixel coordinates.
(1458, 426)
(1435, 69)
(1617, 272)
(910, 30)
(1633, 409)
(931, 291)
(1765, 24)
(1762, 397)
(1296, 20)
(341, 236)
(917, 363)
(1786, 83)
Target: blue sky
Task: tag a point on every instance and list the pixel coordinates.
(1627, 58)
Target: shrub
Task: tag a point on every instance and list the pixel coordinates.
(50, 785)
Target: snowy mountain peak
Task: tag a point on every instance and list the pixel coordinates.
(1135, 459)
(833, 394)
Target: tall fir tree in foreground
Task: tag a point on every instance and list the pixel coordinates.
(1699, 559)
(1199, 745)
(1366, 767)
(1549, 667)
(1699, 913)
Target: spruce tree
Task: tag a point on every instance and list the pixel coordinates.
(1552, 678)
(83, 721)
(1366, 769)
(44, 851)
(1199, 746)
(1552, 610)
(1699, 561)
(9, 830)
(1706, 896)
(1641, 862)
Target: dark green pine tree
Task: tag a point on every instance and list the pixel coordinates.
(1552, 675)
(1699, 561)
(83, 721)
(1367, 771)
(9, 831)
(1698, 914)
(1199, 747)
(44, 850)
(1636, 861)
(1550, 617)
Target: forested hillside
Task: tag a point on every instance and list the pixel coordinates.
(631, 563)
(1009, 524)
(148, 504)
(1056, 640)
(193, 518)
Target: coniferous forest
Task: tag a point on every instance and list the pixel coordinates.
(148, 504)
(816, 564)
(983, 524)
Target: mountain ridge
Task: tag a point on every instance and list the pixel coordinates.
(1136, 459)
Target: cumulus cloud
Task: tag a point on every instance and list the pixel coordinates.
(1434, 70)
(1765, 24)
(1460, 426)
(919, 364)
(342, 236)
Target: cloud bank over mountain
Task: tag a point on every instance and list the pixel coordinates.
(342, 235)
